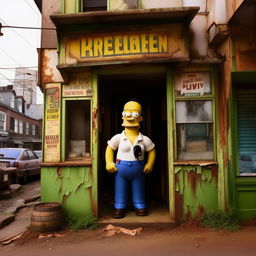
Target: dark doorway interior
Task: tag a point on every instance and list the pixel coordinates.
(114, 92)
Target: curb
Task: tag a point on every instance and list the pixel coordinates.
(10, 215)
(6, 194)
(6, 219)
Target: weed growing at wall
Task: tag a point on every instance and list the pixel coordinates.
(218, 219)
(83, 222)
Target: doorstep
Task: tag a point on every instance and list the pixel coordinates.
(156, 218)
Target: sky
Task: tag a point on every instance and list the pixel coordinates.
(18, 47)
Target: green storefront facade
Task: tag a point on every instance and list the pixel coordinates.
(190, 110)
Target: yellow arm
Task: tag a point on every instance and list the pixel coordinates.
(109, 156)
(151, 160)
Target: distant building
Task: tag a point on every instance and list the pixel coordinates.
(25, 84)
(18, 129)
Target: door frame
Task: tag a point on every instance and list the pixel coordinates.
(137, 69)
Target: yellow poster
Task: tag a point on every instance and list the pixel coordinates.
(52, 122)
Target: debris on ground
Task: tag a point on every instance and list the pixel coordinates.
(47, 235)
(11, 239)
(111, 230)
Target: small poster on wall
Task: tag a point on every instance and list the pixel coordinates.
(52, 122)
(193, 84)
(80, 87)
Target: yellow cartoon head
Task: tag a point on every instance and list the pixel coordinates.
(132, 114)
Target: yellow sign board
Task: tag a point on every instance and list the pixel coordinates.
(52, 122)
(166, 41)
(125, 44)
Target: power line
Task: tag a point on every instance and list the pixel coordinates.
(31, 7)
(20, 27)
(22, 85)
(17, 33)
(18, 67)
(7, 54)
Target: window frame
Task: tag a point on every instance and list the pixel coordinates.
(4, 121)
(63, 129)
(27, 128)
(33, 129)
(91, 9)
(235, 149)
(21, 126)
(16, 125)
(208, 97)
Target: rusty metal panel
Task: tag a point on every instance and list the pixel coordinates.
(232, 6)
(137, 43)
(198, 38)
(245, 50)
(50, 73)
(49, 37)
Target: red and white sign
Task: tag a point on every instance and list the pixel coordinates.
(193, 83)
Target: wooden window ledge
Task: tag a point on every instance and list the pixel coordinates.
(85, 162)
(200, 163)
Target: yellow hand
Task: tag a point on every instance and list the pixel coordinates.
(151, 159)
(109, 156)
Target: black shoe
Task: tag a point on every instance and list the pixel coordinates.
(118, 213)
(141, 212)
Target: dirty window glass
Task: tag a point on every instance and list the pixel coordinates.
(94, 5)
(194, 125)
(78, 129)
(193, 84)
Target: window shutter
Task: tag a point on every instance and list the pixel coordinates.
(246, 117)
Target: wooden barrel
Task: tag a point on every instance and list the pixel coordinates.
(46, 217)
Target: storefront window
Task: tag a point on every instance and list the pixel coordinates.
(194, 117)
(78, 129)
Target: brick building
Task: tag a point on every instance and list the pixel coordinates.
(16, 128)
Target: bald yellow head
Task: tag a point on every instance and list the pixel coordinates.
(132, 114)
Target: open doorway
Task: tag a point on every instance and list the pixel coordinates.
(114, 92)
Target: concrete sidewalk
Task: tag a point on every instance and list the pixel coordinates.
(15, 212)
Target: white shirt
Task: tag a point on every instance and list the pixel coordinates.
(125, 147)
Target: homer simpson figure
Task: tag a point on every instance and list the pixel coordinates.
(130, 166)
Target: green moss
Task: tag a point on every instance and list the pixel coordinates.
(218, 219)
(83, 222)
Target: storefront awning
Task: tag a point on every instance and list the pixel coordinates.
(183, 14)
(32, 140)
(19, 142)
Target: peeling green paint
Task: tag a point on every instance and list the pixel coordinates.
(72, 188)
(199, 190)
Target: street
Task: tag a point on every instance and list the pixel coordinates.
(185, 239)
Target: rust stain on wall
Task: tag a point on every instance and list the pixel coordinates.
(193, 180)
(94, 119)
(59, 171)
(178, 206)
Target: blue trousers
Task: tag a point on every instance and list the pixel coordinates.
(129, 173)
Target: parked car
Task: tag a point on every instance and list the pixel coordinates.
(25, 160)
(38, 153)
